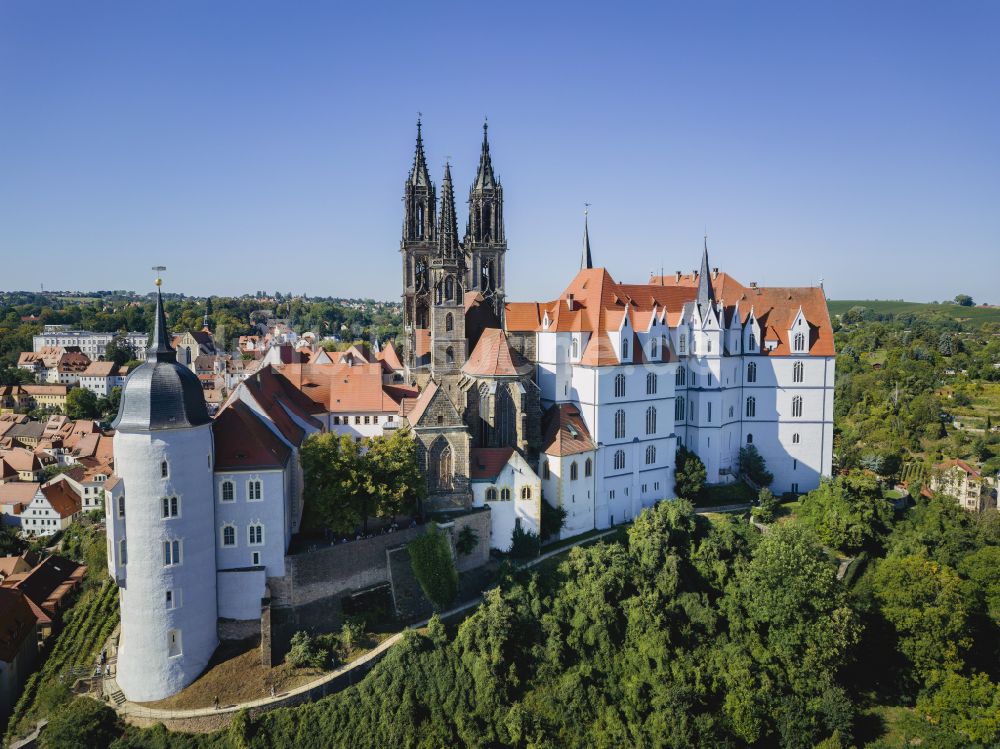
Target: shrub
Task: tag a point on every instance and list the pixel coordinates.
(352, 634)
(305, 652)
(82, 722)
(752, 465)
(467, 541)
(689, 474)
(553, 520)
(434, 567)
(523, 544)
(767, 505)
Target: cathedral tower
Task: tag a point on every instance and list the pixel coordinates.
(485, 242)
(447, 269)
(164, 456)
(417, 246)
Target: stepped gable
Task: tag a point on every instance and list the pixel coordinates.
(564, 432)
(486, 462)
(243, 441)
(493, 357)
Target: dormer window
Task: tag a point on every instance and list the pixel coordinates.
(682, 344)
(654, 349)
(752, 343)
(624, 348)
(800, 342)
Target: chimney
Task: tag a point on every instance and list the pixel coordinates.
(677, 276)
(569, 302)
(753, 284)
(715, 273)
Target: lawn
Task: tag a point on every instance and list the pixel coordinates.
(976, 315)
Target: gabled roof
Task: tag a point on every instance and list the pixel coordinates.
(243, 441)
(62, 498)
(345, 388)
(101, 369)
(390, 357)
(21, 459)
(564, 432)
(18, 492)
(50, 581)
(958, 462)
(279, 398)
(493, 357)
(485, 463)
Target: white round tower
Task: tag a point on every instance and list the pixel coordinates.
(164, 456)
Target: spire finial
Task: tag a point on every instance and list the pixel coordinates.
(587, 260)
(705, 293)
(159, 348)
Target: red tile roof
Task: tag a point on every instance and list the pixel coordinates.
(969, 470)
(493, 357)
(48, 584)
(243, 441)
(63, 499)
(18, 492)
(563, 431)
(485, 463)
(343, 388)
(389, 356)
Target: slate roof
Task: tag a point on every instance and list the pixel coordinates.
(564, 432)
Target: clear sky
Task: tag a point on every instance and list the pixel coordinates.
(263, 145)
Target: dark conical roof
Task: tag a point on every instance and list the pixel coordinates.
(484, 177)
(586, 261)
(161, 394)
(419, 176)
(705, 293)
(448, 223)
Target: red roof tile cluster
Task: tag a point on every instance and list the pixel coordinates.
(243, 441)
(563, 431)
(47, 585)
(485, 463)
(345, 388)
(969, 470)
(63, 499)
(493, 357)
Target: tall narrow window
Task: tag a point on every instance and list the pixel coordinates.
(795, 438)
(679, 408)
(708, 345)
(254, 491)
(798, 370)
(619, 385)
(654, 349)
(681, 377)
(709, 420)
(797, 406)
(751, 342)
(624, 348)
(449, 322)
(505, 494)
(573, 471)
(800, 342)
(228, 492)
(449, 355)
(123, 552)
(174, 643)
(228, 535)
(752, 372)
(751, 406)
(619, 424)
(749, 439)
(651, 384)
(121, 506)
(164, 469)
(545, 469)
(491, 494)
(574, 349)
(588, 467)
(682, 344)
(651, 420)
(619, 460)
(255, 534)
(650, 455)
(171, 553)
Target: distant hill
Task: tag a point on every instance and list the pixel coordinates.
(974, 315)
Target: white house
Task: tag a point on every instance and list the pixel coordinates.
(502, 480)
(54, 506)
(102, 376)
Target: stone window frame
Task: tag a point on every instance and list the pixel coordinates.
(223, 539)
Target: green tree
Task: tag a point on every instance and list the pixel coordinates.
(394, 483)
(925, 603)
(335, 482)
(434, 566)
(968, 706)
(553, 519)
(767, 506)
(848, 512)
(751, 464)
(119, 350)
(964, 300)
(82, 722)
(467, 541)
(82, 404)
(689, 474)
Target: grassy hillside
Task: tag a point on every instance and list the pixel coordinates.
(975, 315)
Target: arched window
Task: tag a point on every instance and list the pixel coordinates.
(619, 460)
(619, 423)
(752, 372)
(164, 469)
(121, 506)
(588, 468)
(798, 370)
(749, 439)
(255, 534)
(679, 408)
(449, 288)
(449, 355)
(255, 491)
(525, 492)
(449, 322)
(504, 433)
(650, 455)
(228, 491)
(650, 384)
(730, 412)
(619, 385)
(228, 535)
(491, 494)
(681, 377)
(654, 349)
(651, 420)
(624, 348)
(545, 470)
(751, 406)
(505, 494)
(574, 349)
(708, 343)
(752, 343)
(800, 342)
(439, 466)
(573, 471)
(797, 406)
(795, 438)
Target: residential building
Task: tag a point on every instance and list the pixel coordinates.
(18, 648)
(973, 490)
(103, 376)
(94, 345)
(53, 508)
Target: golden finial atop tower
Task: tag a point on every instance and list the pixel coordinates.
(158, 268)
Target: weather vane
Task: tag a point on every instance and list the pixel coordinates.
(586, 208)
(159, 269)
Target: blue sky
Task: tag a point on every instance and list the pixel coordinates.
(263, 145)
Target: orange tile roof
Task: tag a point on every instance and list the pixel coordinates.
(343, 388)
(18, 492)
(100, 369)
(243, 441)
(969, 470)
(564, 432)
(423, 344)
(485, 463)
(63, 499)
(389, 356)
(493, 357)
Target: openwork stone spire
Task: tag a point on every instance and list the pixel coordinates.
(448, 223)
